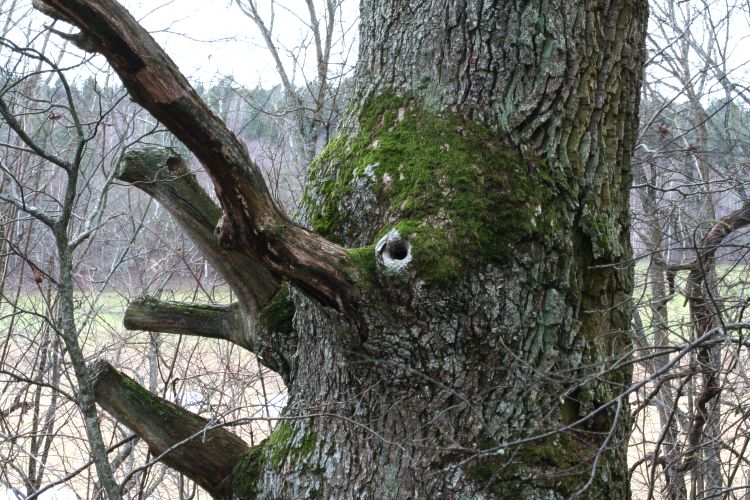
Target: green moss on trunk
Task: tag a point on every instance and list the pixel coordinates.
(507, 473)
(286, 443)
(278, 314)
(247, 473)
(364, 259)
(459, 193)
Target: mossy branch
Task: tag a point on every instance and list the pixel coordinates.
(187, 442)
(201, 320)
(270, 336)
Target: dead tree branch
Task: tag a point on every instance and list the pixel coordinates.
(208, 460)
(252, 223)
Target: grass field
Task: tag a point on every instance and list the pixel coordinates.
(219, 380)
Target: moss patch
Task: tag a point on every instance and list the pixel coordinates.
(136, 394)
(463, 196)
(278, 314)
(285, 443)
(247, 473)
(364, 259)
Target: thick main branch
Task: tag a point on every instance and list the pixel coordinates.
(251, 223)
(206, 456)
(166, 178)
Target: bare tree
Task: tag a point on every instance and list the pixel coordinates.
(313, 103)
(431, 343)
(689, 170)
(55, 183)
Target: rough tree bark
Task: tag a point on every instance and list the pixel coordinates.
(462, 295)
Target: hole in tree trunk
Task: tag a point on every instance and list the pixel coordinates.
(393, 254)
(397, 250)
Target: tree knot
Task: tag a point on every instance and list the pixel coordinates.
(393, 254)
(226, 232)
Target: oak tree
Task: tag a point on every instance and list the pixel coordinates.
(450, 309)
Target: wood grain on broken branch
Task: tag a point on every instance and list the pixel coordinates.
(201, 320)
(275, 349)
(252, 223)
(163, 175)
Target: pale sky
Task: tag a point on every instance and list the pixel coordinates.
(210, 39)
(214, 38)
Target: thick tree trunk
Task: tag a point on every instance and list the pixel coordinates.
(487, 161)
(469, 343)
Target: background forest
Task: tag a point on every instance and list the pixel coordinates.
(77, 245)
